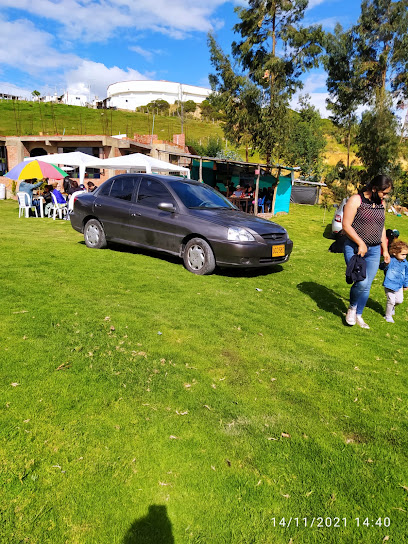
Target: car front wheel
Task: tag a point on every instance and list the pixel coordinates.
(94, 235)
(199, 257)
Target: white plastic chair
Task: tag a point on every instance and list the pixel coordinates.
(56, 207)
(72, 198)
(24, 204)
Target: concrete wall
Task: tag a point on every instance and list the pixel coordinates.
(133, 94)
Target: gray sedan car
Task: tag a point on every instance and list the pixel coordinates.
(181, 217)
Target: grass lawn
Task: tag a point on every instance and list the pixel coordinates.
(141, 404)
(34, 117)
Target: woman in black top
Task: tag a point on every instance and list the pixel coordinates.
(363, 224)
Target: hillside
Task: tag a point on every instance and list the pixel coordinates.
(24, 118)
(30, 118)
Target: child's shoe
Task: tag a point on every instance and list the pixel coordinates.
(361, 323)
(389, 319)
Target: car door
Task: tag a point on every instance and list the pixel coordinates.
(112, 207)
(151, 226)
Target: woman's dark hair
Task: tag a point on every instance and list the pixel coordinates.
(379, 183)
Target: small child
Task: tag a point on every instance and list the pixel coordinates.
(396, 277)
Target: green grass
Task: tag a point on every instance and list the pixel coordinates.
(21, 118)
(250, 405)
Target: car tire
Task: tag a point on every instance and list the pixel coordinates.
(199, 257)
(94, 235)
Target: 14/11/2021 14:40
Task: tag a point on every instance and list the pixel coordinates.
(321, 522)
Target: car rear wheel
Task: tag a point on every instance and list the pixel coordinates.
(199, 257)
(94, 235)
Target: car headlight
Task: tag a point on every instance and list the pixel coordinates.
(240, 235)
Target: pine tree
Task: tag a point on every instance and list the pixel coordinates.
(381, 38)
(307, 142)
(343, 85)
(273, 52)
(378, 138)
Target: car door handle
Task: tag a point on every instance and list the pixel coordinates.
(135, 214)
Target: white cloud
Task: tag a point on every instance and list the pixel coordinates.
(313, 3)
(10, 88)
(33, 52)
(313, 86)
(26, 48)
(328, 23)
(148, 55)
(318, 100)
(98, 77)
(107, 16)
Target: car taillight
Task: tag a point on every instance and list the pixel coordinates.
(337, 218)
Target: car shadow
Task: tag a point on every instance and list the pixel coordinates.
(154, 528)
(248, 272)
(227, 272)
(156, 254)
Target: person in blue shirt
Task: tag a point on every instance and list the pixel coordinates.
(28, 186)
(396, 277)
(57, 193)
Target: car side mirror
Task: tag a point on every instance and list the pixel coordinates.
(166, 207)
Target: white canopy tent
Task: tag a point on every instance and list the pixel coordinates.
(139, 162)
(75, 158)
(134, 161)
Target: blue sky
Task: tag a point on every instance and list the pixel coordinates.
(85, 45)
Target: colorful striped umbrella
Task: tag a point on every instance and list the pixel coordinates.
(35, 169)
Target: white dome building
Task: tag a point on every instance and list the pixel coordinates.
(129, 95)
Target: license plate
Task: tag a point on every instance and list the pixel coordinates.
(278, 251)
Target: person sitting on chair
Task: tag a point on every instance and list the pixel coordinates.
(74, 187)
(28, 186)
(60, 199)
(238, 191)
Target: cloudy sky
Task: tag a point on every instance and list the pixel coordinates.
(85, 45)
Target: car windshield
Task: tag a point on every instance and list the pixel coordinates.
(200, 196)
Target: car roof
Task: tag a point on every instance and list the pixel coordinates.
(161, 177)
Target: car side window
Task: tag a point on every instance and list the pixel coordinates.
(123, 187)
(152, 193)
(105, 188)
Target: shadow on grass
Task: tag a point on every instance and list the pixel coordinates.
(123, 248)
(325, 298)
(329, 301)
(248, 272)
(376, 306)
(328, 232)
(228, 272)
(155, 528)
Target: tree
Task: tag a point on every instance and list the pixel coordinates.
(210, 149)
(190, 106)
(161, 106)
(306, 142)
(237, 97)
(381, 37)
(343, 85)
(378, 138)
(36, 94)
(273, 52)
